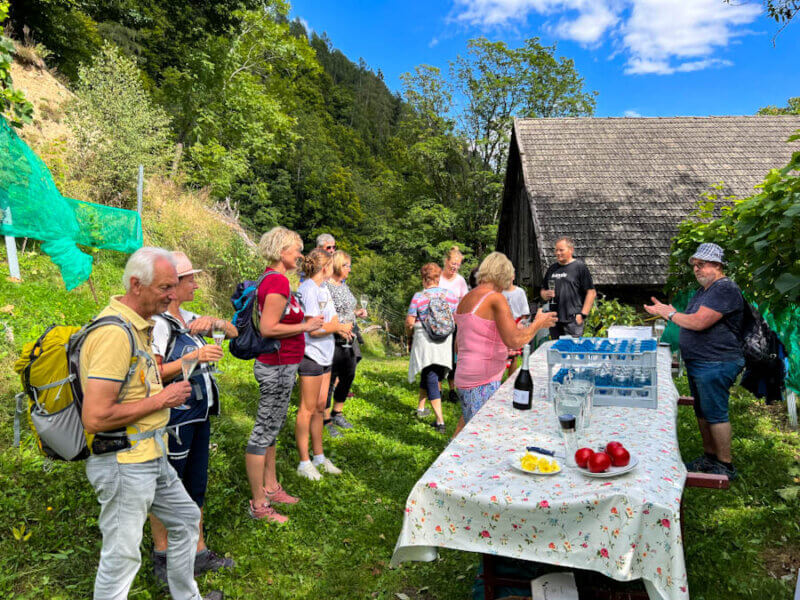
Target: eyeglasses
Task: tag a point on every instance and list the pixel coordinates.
(699, 264)
(330, 247)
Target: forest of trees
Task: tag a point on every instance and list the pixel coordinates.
(286, 127)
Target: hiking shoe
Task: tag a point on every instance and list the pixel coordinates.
(309, 471)
(332, 431)
(421, 414)
(453, 397)
(160, 566)
(265, 511)
(327, 466)
(215, 595)
(718, 468)
(439, 427)
(341, 422)
(280, 496)
(702, 464)
(208, 560)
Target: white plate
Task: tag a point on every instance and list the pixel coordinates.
(612, 471)
(517, 466)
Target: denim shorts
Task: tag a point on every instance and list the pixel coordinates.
(710, 383)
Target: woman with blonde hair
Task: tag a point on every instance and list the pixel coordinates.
(432, 359)
(315, 368)
(282, 318)
(486, 329)
(348, 352)
(451, 280)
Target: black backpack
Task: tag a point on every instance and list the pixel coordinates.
(759, 342)
(249, 343)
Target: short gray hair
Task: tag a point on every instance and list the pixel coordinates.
(141, 265)
(325, 238)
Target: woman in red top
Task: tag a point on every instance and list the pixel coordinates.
(281, 318)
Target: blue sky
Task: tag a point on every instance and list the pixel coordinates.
(644, 57)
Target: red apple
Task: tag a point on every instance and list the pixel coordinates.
(599, 462)
(582, 457)
(611, 445)
(620, 457)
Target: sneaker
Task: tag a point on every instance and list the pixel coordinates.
(280, 496)
(309, 471)
(718, 468)
(208, 560)
(159, 566)
(421, 414)
(453, 397)
(330, 468)
(332, 431)
(439, 427)
(702, 464)
(341, 422)
(265, 511)
(215, 595)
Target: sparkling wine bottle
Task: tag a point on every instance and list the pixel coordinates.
(523, 386)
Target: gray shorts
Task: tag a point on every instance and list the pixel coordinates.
(275, 383)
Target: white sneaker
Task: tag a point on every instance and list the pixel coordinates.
(309, 471)
(330, 468)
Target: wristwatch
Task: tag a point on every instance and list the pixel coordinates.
(672, 314)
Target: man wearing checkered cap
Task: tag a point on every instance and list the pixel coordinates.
(711, 346)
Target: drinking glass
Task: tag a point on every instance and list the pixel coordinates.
(322, 300)
(551, 285)
(658, 329)
(189, 360)
(218, 335)
(347, 343)
(364, 299)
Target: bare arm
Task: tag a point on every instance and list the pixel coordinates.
(170, 370)
(703, 319)
(588, 302)
(102, 412)
(204, 325)
(410, 321)
(332, 326)
(270, 325)
(512, 336)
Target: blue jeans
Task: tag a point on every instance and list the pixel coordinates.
(710, 383)
(127, 492)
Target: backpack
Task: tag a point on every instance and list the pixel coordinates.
(439, 324)
(50, 372)
(759, 342)
(247, 317)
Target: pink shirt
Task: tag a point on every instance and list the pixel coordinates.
(481, 352)
(457, 285)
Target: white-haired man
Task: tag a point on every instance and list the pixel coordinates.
(132, 476)
(325, 241)
(711, 347)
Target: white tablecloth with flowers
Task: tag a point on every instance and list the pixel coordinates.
(625, 527)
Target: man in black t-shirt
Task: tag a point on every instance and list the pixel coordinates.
(711, 347)
(574, 292)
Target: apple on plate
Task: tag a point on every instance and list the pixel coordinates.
(599, 462)
(611, 445)
(582, 457)
(620, 457)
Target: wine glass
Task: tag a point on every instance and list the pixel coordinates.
(347, 342)
(551, 285)
(218, 335)
(658, 329)
(364, 299)
(322, 301)
(189, 360)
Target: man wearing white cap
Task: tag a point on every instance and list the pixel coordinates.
(177, 334)
(711, 346)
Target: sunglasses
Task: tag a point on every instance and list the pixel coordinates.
(330, 247)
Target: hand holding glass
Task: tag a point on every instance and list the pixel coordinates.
(218, 335)
(189, 359)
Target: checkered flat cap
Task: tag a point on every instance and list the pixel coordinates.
(710, 253)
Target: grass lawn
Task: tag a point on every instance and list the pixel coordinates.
(339, 540)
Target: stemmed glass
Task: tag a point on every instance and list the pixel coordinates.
(364, 299)
(189, 360)
(322, 301)
(218, 335)
(658, 329)
(347, 342)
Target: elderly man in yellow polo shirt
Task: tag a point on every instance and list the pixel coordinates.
(134, 477)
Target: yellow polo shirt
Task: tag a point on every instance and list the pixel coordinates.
(106, 354)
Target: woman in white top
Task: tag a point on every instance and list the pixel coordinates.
(315, 368)
(451, 280)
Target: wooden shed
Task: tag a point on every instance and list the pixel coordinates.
(619, 187)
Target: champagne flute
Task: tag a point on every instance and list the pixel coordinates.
(364, 301)
(189, 360)
(347, 342)
(322, 300)
(218, 335)
(551, 285)
(658, 329)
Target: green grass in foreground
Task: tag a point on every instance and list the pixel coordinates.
(340, 538)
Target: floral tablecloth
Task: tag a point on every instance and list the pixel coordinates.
(625, 527)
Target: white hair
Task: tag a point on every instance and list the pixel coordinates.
(141, 265)
(325, 238)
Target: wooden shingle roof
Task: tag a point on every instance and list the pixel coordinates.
(620, 186)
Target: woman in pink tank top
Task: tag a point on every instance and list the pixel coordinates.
(486, 330)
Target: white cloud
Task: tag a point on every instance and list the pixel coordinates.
(657, 36)
(631, 113)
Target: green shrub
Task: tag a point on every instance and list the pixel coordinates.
(610, 312)
(116, 128)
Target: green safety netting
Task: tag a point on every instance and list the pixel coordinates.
(33, 207)
(785, 322)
